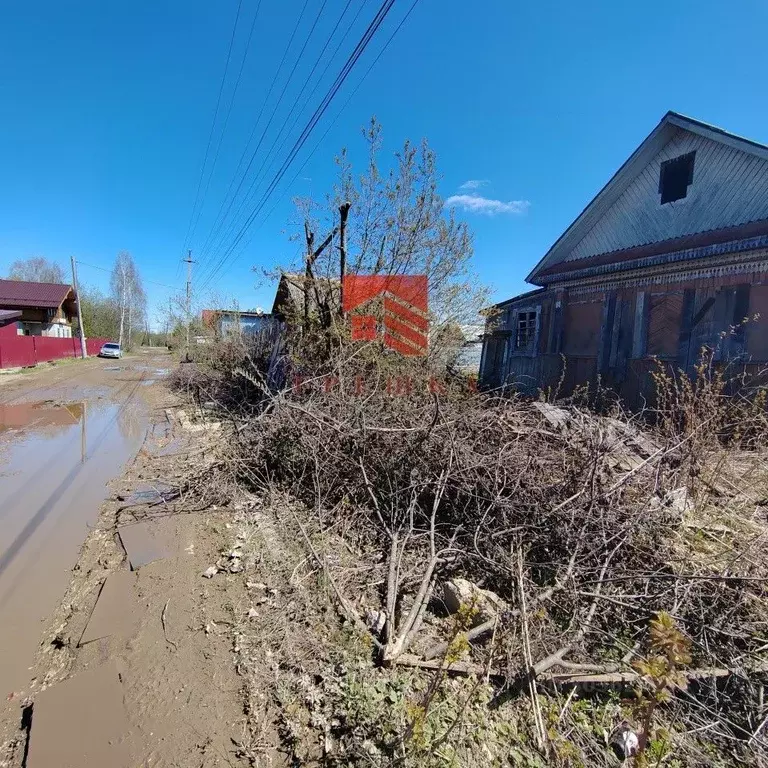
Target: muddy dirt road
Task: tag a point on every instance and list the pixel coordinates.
(115, 648)
(65, 432)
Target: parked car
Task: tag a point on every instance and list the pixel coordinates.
(111, 349)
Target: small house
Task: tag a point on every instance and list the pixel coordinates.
(9, 321)
(670, 257)
(47, 309)
(228, 322)
(320, 301)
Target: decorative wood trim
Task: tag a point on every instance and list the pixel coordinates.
(671, 257)
(606, 326)
(684, 339)
(660, 276)
(640, 329)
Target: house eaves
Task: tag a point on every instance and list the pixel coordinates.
(520, 297)
(745, 237)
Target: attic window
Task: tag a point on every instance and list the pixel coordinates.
(675, 177)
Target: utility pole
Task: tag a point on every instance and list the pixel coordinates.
(79, 309)
(189, 262)
(343, 214)
(168, 325)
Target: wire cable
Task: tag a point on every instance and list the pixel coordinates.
(328, 129)
(259, 177)
(104, 269)
(213, 125)
(352, 59)
(253, 132)
(226, 122)
(319, 112)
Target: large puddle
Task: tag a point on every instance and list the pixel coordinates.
(55, 462)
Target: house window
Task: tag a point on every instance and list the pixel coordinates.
(675, 177)
(525, 332)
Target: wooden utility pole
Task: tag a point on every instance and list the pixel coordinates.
(83, 351)
(309, 278)
(168, 325)
(189, 262)
(343, 213)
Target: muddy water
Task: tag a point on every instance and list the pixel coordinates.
(55, 461)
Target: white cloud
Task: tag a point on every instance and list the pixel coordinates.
(487, 206)
(475, 184)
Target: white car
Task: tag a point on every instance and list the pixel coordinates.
(110, 349)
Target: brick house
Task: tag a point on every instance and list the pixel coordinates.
(47, 309)
(672, 252)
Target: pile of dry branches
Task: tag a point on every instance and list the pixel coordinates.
(586, 527)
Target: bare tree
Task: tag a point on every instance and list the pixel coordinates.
(101, 314)
(394, 223)
(137, 307)
(388, 223)
(36, 270)
(128, 293)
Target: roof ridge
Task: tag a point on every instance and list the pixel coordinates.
(716, 128)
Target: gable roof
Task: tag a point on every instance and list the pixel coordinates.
(18, 293)
(637, 161)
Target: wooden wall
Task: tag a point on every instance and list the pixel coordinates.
(729, 187)
(619, 334)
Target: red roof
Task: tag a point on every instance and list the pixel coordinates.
(17, 293)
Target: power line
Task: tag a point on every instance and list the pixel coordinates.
(258, 178)
(213, 124)
(253, 132)
(226, 121)
(330, 126)
(340, 78)
(280, 98)
(104, 269)
(321, 109)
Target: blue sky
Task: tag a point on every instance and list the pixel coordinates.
(105, 110)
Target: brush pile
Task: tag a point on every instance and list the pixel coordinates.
(556, 556)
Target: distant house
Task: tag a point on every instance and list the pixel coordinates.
(669, 255)
(470, 354)
(9, 322)
(47, 309)
(462, 344)
(225, 322)
(323, 298)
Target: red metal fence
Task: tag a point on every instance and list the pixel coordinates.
(23, 351)
(17, 352)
